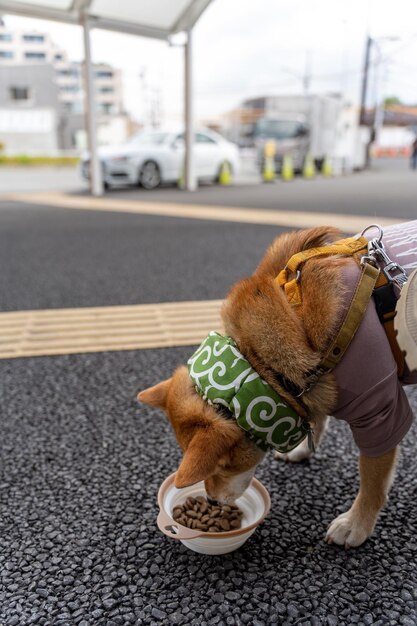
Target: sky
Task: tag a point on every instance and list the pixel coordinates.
(249, 48)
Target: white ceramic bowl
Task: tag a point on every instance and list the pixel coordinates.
(255, 504)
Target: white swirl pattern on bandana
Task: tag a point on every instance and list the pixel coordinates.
(222, 375)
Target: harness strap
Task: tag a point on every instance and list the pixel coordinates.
(353, 318)
(349, 246)
(371, 282)
(385, 303)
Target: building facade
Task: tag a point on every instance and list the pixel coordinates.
(35, 74)
(29, 110)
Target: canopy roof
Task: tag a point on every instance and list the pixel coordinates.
(150, 18)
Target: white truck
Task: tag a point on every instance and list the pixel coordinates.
(323, 126)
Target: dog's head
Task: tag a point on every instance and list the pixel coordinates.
(215, 449)
(278, 341)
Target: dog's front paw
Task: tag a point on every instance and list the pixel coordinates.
(300, 453)
(348, 529)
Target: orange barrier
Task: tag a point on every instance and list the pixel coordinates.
(391, 152)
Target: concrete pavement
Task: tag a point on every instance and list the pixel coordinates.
(40, 179)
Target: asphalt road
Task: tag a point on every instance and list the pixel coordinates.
(380, 192)
(388, 189)
(58, 258)
(81, 461)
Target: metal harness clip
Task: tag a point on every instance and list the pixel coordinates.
(378, 256)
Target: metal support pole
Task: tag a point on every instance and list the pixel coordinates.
(190, 178)
(380, 104)
(307, 73)
(365, 79)
(96, 182)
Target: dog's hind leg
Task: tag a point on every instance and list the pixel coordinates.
(303, 452)
(356, 525)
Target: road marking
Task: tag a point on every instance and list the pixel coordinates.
(292, 219)
(104, 329)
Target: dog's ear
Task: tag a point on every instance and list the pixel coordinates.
(157, 395)
(204, 452)
(317, 237)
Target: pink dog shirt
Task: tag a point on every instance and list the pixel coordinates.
(370, 397)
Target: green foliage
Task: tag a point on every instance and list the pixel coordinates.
(26, 160)
(392, 100)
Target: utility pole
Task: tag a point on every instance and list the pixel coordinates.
(307, 73)
(144, 88)
(380, 103)
(365, 78)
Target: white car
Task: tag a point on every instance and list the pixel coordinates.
(154, 157)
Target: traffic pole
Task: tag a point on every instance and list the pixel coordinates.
(269, 172)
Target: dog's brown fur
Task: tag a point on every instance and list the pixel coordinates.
(274, 337)
(215, 449)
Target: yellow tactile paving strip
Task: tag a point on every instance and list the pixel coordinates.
(104, 329)
(292, 219)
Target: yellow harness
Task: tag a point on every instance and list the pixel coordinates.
(371, 281)
(346, 247)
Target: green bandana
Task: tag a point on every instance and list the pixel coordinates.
(222, 375)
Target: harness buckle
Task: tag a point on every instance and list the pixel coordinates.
(400, 279)
(367, 258)
(393, 271)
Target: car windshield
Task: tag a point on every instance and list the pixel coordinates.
(149, 138)
(277, 129)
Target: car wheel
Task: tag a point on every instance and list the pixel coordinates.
(150, 175)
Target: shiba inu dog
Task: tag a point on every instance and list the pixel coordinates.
(283, 345)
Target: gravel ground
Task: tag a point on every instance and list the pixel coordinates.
(80, 471)
(54, 258)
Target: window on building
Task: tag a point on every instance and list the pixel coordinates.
(104, 74)
(33, 38)
(70, 72)
(20, 93)
(6, 54)
(106, 90)
(106, 107)
(59, 57)
(38, 56)
(5, 37)
(69, 88)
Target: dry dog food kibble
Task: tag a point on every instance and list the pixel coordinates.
(198, 513)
